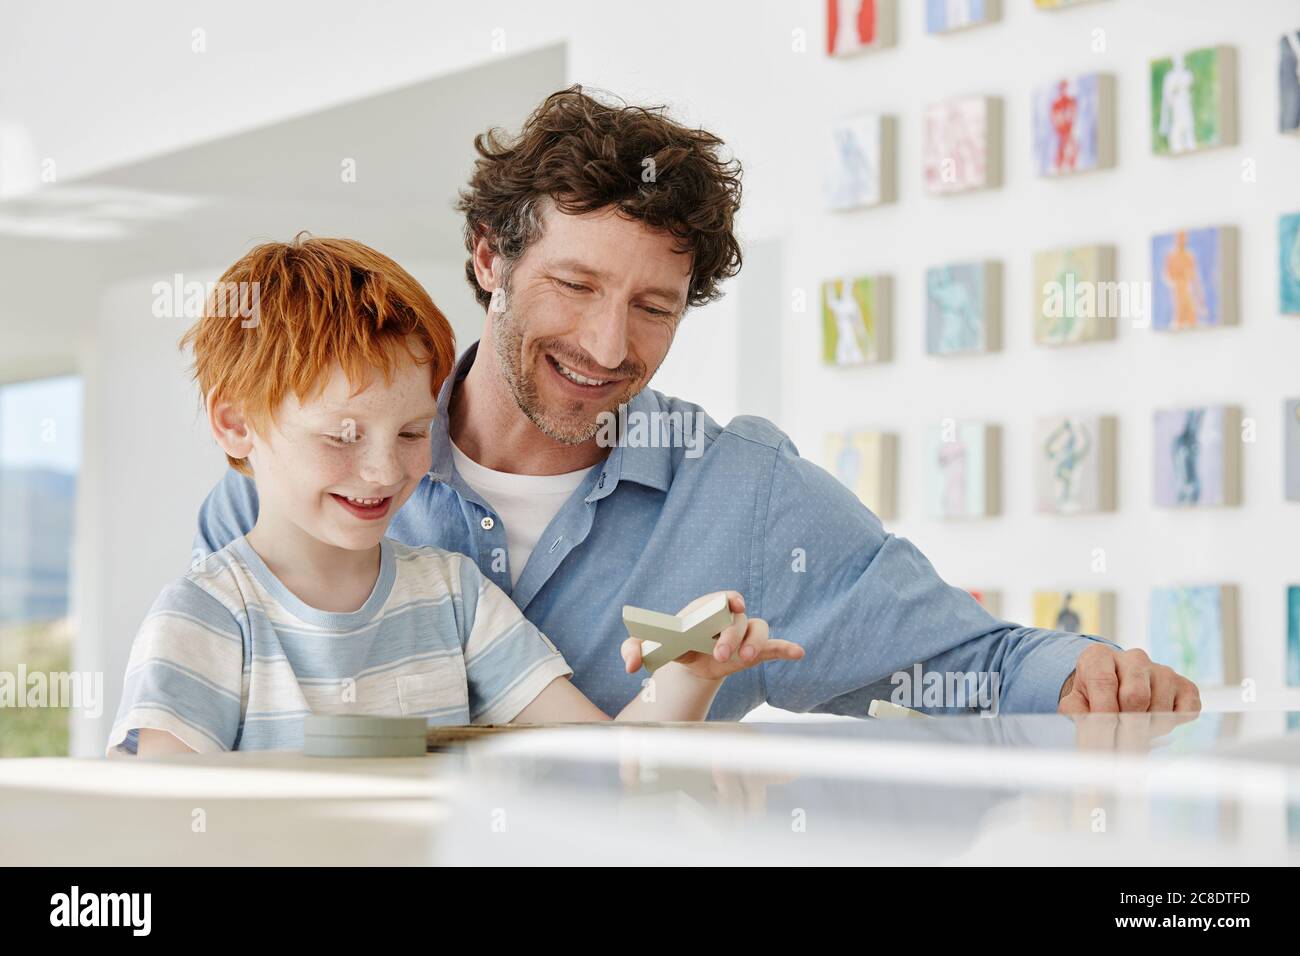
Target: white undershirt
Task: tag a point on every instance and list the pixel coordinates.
(526, 503)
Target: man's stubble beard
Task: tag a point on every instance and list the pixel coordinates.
(508, 338)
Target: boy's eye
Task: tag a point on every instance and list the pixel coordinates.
(415, 436)
(338, 440)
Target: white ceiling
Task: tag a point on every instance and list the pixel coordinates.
(204, 205)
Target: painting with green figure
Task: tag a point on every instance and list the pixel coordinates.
(1191, 631)
(1191, 101)
(1071, 295)
(851, 324)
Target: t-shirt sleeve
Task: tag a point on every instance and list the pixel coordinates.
(184, 675)
(508, 661)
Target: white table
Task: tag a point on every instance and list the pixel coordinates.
(1223, 789)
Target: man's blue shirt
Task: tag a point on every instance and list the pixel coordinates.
(658, 526)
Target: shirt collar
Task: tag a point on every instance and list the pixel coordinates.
(644, 465)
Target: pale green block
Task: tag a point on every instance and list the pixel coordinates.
(698, 631)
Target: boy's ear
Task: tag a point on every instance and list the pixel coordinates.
(229, 427)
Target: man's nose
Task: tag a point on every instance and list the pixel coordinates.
(603, 334)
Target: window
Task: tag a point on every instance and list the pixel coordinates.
(40, 455)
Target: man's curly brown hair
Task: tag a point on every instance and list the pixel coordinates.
(586, 154)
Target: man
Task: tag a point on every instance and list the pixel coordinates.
(589, 235)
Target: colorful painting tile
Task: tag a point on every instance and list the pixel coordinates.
(962, 470)
(1074, 464)
(1193, 279)
(1193, 630)
(865, 462)
(1192, 101)
(855, 320)
(1197, 457)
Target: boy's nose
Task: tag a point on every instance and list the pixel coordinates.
(381, 466)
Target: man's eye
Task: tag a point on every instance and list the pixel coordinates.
(415, 436)
(572, 285)
(656, 312)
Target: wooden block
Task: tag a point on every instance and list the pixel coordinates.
(675, 635)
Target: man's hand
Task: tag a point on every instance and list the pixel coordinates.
(1108, 681)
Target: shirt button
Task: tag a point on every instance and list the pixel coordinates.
(487, 524)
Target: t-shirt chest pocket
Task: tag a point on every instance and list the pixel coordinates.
(439, 685)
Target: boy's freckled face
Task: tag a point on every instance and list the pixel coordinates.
(339, 465)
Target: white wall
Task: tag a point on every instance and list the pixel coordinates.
(1253, 546)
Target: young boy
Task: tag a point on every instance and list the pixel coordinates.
(325, 397)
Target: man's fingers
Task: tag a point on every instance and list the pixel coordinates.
(1134, 669)
(1187, 699)
(1164, 685)
(1096, 677)
(1073, 702)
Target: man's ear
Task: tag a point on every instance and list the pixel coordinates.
(487, 264)
(229, 427)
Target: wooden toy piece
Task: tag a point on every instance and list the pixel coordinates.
(887, 710)
(363, 735)
(672, 635)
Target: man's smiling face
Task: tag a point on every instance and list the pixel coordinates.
(586, 316)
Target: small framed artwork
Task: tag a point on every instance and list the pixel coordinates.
(1288, 83)
(1076, 298)
(962, 467)
(1288, 247)
(1074, 124)
(1291, 447)
(1194, 279)
(855, 320)
(853, 26)
(1293, 635)
(860, 165)
(1193, 101)
(1197, 457)
(1074, 464)
(1076, 612)
(1194, 631)
(946, 16)
(963, 308)
(962, 145)
(990, 600)
(866, 462)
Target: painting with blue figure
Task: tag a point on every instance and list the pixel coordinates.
(1191, 457)
(1288, 246)
(1288, 84)
(942, 16)
(955, 309)
(1293, 635)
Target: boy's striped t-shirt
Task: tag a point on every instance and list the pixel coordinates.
(228, 658)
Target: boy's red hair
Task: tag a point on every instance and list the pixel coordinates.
(318, 301)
